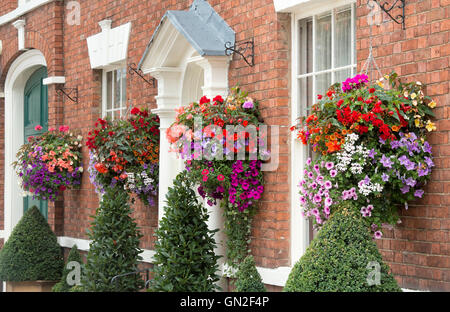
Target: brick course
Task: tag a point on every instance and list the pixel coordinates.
(417, 250)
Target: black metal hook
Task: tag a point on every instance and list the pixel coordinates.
(132, 69)
(71, 93)
(246, 49)
(399, 19)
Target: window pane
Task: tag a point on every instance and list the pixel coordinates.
(117, 85)
(323, 42)
(342, 37)
(342, 75)
(109, 82)
(305, 87)
(305, 46)
(124, 88)
(323, 82)
(109, 115)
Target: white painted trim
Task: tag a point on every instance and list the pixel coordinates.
(2, 234)
(299, 225)
(2, 95)
(83, 245)
(54, 80)
(318, 6)
(20, 26)
(21, 10)
(288, 5)
(21, 69)
(276, 277)
(110, 46)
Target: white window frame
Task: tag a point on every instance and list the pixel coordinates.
(300, 229)
(23, 2)
(123, 106)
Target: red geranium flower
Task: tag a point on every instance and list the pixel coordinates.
(135, 111)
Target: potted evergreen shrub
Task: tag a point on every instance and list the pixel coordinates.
(31, 259)
(184, 260)
(342, 258)
(247, 278)
(114, 249)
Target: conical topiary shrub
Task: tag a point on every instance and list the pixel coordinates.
(248, 278)
(74, 256)
(32, 252)
(184, 259)
(342, 258)
(114, 249)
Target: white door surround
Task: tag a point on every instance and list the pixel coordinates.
(19, 72)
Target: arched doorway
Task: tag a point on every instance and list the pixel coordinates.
(16, 81)
(35, 113)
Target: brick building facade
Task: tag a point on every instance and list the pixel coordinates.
(417, 250)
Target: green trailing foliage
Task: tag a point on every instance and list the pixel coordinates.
(115, 246)
(185, 260)
(32, 252)
(248, 278)
(342, 258)
(74, 256)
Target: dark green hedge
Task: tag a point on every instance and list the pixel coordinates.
(32, 251)
(337, 259)
(248, 278)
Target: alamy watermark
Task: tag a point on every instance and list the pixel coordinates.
(374, 276)
(73, 14)
(74, 276)
(232, 142)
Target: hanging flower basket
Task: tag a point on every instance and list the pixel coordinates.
(50, 163)
(210, 137)
(371, 149)
(125, 153)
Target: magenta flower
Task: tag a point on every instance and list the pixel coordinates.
(377, 235)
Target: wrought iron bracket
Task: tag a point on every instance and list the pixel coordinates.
(387, 8)
(246, 49)
(132, 69)
(70, 93)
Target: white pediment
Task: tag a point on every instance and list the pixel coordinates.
(109, 47)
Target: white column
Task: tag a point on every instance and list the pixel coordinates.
(169, 90)
(20, 26)
(216, 83)
(216, 75)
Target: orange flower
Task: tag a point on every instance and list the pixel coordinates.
(395, 128)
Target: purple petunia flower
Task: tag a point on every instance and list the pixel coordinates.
(405, 189)
(426, 147)
(395, 144)
(333, 173)
(419, 193)
(385, 177)
(386, 161)
(429, 161)
(329, 165)
(411, 182)
(403, 160)
(410, 166)
(372, 153)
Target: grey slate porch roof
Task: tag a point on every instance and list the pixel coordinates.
(202, 27)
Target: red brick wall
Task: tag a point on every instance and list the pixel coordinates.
(418, 249)
(7, 6)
